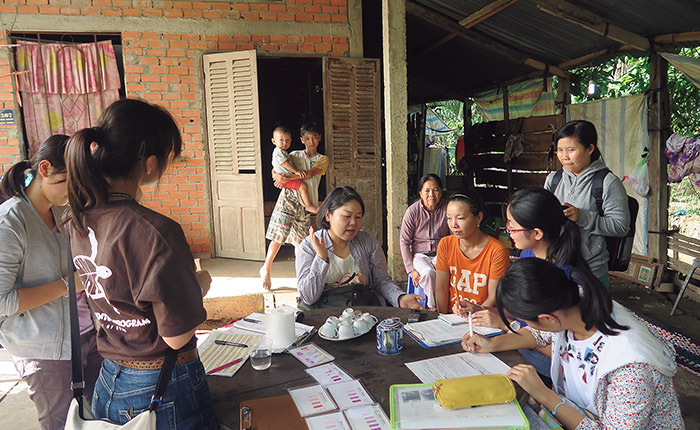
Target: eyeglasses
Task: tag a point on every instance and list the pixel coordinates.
(513, 230)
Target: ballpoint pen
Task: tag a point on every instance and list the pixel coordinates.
(227, 343)
(471, 328)
(224, 366)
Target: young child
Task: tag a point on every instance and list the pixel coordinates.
(282, 138)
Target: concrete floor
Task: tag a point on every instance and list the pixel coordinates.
(237, 290)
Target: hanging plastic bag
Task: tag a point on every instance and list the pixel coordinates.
(639, 178)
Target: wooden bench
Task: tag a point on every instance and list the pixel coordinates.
(684, 257)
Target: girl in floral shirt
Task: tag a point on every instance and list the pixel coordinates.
(608, 370)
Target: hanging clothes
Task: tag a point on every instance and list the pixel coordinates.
(683, 160)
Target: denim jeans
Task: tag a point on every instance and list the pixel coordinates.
(186, 403)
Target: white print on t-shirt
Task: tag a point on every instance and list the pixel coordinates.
(466, 283)
(90, 275)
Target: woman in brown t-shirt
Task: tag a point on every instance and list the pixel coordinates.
(137, 268)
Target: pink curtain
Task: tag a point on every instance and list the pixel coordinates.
(66, 86)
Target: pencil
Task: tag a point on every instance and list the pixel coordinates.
(224, 366)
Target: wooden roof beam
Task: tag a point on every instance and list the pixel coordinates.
(444, 22)
(691, 36)
(592, 22)
(480, 15)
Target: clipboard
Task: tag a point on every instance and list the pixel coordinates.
(278, 412)
(420, 339)
(419, 402)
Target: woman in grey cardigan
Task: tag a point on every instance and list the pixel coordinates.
(578, 153)
(34, 316)
(340, 254)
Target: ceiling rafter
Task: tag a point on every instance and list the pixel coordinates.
(479, 16)
(448, 24)
(595, 23)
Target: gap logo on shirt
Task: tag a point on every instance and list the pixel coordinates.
(468, 282)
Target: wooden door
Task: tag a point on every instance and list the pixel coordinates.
(351, 88)
(233, 131)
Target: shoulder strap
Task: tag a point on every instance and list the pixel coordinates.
(598, 178)
(555, 180)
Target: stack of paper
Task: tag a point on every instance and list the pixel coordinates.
(435, 332)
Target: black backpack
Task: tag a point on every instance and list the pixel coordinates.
(619, 248)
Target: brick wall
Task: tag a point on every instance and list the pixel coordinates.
(9, 142)
(164, 67)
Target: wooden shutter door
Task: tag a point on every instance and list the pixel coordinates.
(233, 130)
(351, 89)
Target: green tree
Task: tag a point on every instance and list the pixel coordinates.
(626, 75)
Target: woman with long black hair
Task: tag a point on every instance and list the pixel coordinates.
(608, 370)
(34, 317)
(137, 268)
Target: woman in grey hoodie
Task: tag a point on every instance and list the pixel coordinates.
(578, 153)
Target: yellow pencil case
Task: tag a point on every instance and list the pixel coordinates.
(458, 393)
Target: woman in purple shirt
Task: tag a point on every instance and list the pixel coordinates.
(422, 228)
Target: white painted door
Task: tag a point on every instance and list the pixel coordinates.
(233, 131)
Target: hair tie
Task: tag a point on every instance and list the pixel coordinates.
(97, 133)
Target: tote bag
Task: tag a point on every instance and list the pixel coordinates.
(146, 420)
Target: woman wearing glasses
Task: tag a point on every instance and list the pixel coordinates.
(469, 262)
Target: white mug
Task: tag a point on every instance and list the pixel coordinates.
(332, 320)
(329, 330)
(345, 331)
(369, 319)
(349, 312)
(360, 326)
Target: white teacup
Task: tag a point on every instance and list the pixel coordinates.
(329, 330)
(345, 331)
(349, 312)
(360, 326)
(369, 319)
(345, 318)
(332, 320)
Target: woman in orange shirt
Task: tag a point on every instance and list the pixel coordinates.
(469, 262)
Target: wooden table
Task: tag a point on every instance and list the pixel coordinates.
(359, 357)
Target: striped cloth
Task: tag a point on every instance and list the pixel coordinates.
(525, 99)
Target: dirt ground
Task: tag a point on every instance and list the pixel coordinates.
(686, 321)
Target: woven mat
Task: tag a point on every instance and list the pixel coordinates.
(687, 349)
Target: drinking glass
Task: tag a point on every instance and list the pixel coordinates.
(261, 354)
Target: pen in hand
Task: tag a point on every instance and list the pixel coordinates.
(227, 343)
(471, 328)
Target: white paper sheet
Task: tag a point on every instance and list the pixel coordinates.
(327, 374)
(311, 355)
(368, 418)
(349, 394)
(457, 365)
(332, 421)
(312, 400)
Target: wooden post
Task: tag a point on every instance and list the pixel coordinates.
(468, 152)
(421, 139)
(506, 120)
(563, 98)
(659, 121)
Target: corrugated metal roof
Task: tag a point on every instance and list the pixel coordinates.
(462, 66)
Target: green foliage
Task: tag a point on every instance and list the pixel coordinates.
(626, 75)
